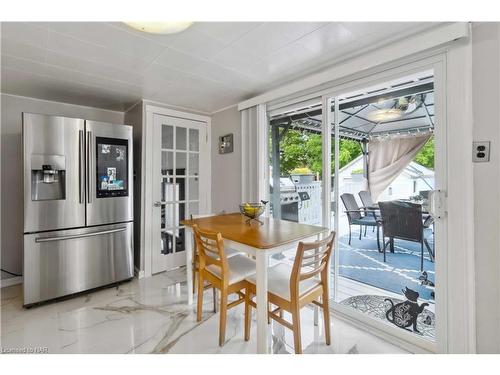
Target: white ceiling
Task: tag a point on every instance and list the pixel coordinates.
(209, 66)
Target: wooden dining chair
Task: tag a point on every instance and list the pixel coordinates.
(196, 260)
(226, 274)
(293, 287)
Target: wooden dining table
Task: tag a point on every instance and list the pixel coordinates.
(258, 240)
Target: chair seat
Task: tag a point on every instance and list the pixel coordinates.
(240, 267)
(279, 281)
(367, 220)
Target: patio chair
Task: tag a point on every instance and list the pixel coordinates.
(366, 199)
(403, 220)
(369, 204)
(358, 216)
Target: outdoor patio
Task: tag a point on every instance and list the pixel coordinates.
(362, 262)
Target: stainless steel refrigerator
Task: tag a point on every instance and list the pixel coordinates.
(78, 205)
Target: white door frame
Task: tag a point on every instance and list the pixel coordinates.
(455, 295)
(148, 175)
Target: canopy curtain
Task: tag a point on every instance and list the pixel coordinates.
(388, 158)
(253, 153)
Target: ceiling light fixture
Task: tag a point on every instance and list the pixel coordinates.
(169, 27)
(382, 115)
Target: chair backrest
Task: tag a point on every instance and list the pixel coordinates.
(311, 259)
(402, 220)
(210, 247)
(351, 206)
(200, 216)
(366, 198)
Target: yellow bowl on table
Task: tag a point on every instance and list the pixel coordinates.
(252, 210)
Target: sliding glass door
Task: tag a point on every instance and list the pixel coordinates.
(365, 162)
(296, 162)
(384, 180)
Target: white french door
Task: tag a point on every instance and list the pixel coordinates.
(180, 181)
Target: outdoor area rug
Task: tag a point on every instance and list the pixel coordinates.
(362, 262)
(377, 306)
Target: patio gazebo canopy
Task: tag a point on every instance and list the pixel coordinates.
(389, 111)
(402, 113)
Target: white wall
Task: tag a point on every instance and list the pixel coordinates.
(12, 165)
(226, 168)
(486, 104)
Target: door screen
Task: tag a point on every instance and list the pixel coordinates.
(112, 167)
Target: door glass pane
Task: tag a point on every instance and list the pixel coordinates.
(167, 189)
(167, 136)
(180, 138)
(167, 216)
(180, 186)
(392, 123)
(181, 213)
(194, 140)
(167, 163)
(194, 164)
(167, 242)
(180, 244)
(180, 163)
(193, 188)
(296, 164)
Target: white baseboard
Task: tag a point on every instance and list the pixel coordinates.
(11, 281)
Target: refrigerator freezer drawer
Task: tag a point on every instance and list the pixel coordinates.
(71, 261)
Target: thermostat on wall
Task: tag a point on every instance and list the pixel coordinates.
(226, 144)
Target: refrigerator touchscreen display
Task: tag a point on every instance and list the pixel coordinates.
(112, 167)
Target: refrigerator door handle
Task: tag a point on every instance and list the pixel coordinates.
(62, 238)
(81, 166)
(89, 166)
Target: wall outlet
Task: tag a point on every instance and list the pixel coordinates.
(481, 151)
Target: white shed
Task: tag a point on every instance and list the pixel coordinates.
(413, 179)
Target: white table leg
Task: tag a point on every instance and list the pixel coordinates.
(262, 329)
(189, 261)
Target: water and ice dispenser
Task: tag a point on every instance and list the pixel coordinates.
(48, 177)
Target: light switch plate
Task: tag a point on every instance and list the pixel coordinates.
(481, 151)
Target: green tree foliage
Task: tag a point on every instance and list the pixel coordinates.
(303, 149)
(425, 156)
(348, 151)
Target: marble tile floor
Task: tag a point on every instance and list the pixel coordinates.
(150, 316)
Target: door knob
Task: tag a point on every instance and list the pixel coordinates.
(157, 204)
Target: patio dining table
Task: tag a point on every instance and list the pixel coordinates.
(258, 240)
